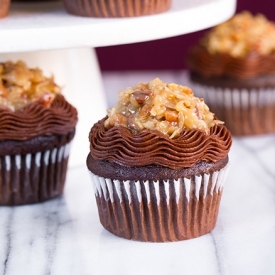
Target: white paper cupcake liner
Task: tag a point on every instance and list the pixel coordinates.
(245, 112)
(33, 178)
(160, 211)
(235, 97)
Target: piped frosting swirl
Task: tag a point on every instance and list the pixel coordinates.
(151, 147)
(37, 120)
(222, 64)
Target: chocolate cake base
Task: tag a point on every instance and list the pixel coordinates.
(154, 206)
(246, 106)
(36, 176)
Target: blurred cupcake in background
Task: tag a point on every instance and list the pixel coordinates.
(158, 163)
(37, 126)
(233, 69)
(116, 8)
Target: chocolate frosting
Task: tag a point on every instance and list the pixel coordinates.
(36, 120)
(250, 84)
(148, 147)
(204, 63)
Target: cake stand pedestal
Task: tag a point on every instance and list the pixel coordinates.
(45, 36)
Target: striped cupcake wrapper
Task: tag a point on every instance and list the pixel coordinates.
(160, 211)
(116, 8)
(245, 112)
(33, 178)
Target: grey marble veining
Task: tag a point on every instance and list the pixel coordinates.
(64, 235)
(32, 232)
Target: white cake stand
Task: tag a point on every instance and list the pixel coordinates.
(44, 35)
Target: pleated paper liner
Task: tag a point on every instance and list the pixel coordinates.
(245, 112)
(33, 178)
(160, 211)
(116, 8)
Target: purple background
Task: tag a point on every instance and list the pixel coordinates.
(166, 54)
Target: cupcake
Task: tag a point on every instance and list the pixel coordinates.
(4, 8)
(37, 126)
(233, 69)
(116, 8)
(158, 163)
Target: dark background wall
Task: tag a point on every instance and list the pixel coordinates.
(166, 54)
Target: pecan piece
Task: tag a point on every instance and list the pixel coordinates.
(141, 96)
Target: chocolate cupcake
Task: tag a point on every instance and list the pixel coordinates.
(158, 163)
(37, 126)
(116, 8)
(233, 69)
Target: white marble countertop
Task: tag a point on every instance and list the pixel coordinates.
(64, 236)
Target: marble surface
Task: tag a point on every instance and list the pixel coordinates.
(64, 236)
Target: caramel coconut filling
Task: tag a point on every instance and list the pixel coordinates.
(20, 86)
(168, 108)
(242, 35)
